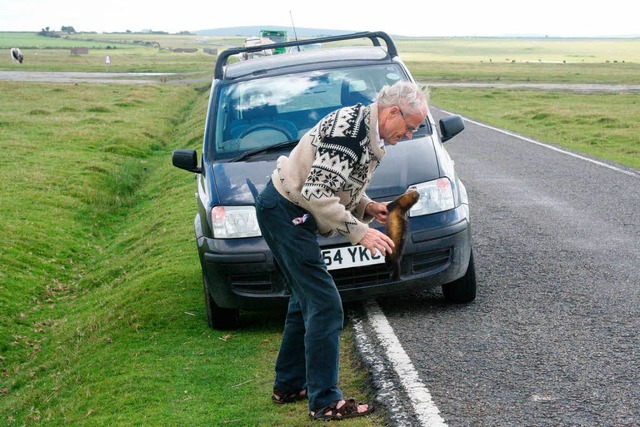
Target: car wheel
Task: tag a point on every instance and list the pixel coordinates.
(463, 290)
(218, 317)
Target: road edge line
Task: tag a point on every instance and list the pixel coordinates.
(425, 410)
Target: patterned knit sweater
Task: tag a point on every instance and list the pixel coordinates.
(329, 170)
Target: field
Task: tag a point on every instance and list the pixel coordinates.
(101, 311)
(435, 59)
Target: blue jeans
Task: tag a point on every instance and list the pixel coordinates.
(310, 349)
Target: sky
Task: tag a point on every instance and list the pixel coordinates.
(553, 18)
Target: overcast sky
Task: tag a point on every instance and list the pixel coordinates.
(554, 18)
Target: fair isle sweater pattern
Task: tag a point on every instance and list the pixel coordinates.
(341, 158)
(330, 169)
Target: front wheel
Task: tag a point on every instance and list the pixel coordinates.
(218, 317)
(463, 290)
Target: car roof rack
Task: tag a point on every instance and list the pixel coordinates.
(374, 36)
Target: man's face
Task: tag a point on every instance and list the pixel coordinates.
(400, 125)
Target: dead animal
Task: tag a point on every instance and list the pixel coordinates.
(397, 227)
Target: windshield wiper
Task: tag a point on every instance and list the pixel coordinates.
(260, 150)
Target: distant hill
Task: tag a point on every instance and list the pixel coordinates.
(253, 31)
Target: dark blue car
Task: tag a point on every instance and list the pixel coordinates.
(258, 110)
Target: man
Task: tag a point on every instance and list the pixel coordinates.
(320, 188)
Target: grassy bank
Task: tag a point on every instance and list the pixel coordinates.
(101, 308)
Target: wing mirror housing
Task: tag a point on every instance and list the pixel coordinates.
(187, 160)
(450, 127)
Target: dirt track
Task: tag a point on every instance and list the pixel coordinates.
(78, 77)
(580, 87)
(151, 78)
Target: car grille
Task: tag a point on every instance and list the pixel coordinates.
(252, 283)
(431, 261)
(354, 276)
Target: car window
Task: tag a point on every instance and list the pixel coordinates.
(271, 110)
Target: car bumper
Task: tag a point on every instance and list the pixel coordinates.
(242, 273)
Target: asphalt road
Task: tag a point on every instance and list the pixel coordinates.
(553, 338)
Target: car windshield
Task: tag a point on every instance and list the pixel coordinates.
(263, 112)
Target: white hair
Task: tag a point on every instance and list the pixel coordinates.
(409, 96)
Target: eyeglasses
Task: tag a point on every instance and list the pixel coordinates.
(410, 129)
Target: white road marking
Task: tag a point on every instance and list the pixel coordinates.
(551, 147)
(425, 410)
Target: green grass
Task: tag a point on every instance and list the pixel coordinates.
(101, 311)
(603, 125)
(603, 73)
(520, 49)
(131, 60)
(31, 40)
(128, 52)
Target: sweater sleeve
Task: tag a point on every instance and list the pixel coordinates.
(359, 211)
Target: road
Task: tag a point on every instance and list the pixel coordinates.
(553, 338)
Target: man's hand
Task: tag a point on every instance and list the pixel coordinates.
(378, 211)
(375, 240)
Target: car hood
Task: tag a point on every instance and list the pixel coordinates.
(409, 162)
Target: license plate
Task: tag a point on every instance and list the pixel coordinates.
(350, 256)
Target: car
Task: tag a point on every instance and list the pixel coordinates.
(258, 110)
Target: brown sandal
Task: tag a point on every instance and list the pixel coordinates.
(281, 398)
(332, 412)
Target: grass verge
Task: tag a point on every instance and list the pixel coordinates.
(602, 125)
(101, 311)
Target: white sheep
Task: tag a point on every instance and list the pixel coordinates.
(16, 55)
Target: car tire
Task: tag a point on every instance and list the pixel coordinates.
(218, 317)
(463, 290)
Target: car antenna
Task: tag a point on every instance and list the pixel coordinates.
(295, 35)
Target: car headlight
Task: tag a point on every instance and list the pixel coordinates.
(435, 196)
(234, 222)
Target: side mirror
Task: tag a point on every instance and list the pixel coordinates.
(186, 159)
(450, 127)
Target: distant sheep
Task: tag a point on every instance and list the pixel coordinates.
(16, 55)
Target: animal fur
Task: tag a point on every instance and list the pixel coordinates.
(397, 227)
(16, 55)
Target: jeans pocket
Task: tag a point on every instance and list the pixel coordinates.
(307, 244)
